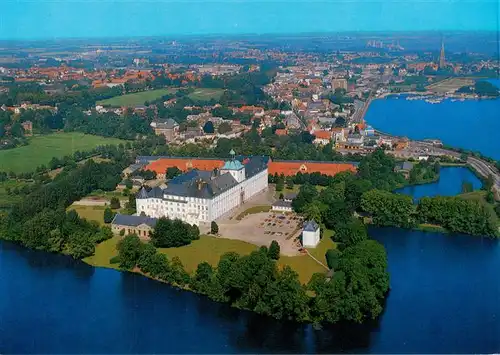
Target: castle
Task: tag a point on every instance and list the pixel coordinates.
(204, 196)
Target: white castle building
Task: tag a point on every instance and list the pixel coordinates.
(204, 196)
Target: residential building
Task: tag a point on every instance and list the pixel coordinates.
(28, 128)
(322, 137)
(339, 84)
(404, 168)
(282, 206)
(168, 128)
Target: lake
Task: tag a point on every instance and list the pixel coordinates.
(449, 183)
(444, 298)
(470, 124)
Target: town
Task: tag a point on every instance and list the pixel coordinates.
(177, 158)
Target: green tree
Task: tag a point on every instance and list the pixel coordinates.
(81, 245)
(274, 250)
(209, 127)
(280, 185)
(214, 228)
(350, 233)
(332, 258)
(467, 187)
(129, 251)
(173, 233)
(224, 127)
(172, 172)
(203, 278)
(389, 209)
(114, 203)
(108, 215)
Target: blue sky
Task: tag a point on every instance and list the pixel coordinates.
(23, 19)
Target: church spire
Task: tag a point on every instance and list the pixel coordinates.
(442, 62)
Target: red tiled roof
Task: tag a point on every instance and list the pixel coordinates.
(322, 134)
(184, 164)
(281, 132)
(290, 168)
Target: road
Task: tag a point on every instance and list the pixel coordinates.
(483, 167)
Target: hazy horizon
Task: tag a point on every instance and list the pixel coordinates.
(48, 19)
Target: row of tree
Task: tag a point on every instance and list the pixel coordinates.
(39, 220)
(453, 213)
(255, 282)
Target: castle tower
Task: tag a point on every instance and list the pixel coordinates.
(442, 62)
(234, 167)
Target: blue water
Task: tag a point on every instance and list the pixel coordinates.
(495, 82)
(470, 124)
(445, 298)
(449, 184)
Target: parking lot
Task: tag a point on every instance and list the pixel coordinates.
(261, 228)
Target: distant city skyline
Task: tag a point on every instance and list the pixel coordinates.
(46, 19)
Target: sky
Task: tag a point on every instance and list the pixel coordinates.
(48, 19)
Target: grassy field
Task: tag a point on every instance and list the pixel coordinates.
(204, 94)
(42, 148)
(210, 249)
(91, 213)
(103, 252)
(450, 84)
(137, 98)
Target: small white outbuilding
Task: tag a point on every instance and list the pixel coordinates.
(310, 234)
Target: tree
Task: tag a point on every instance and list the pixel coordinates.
(350, 233)
(214, 228)
(172, 172)
(467, 187)
(202, 280)
(108, 215)
(332, 258)
(488, 184)
(389, 209)
(128, 184)
(173, 233)
(80, 245)
(280, 185)
(224, 127)
(209, 127)
(129, 251)
(114, 203)
(274, 250)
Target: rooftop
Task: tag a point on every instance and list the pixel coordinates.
(310, 226)
(133, 221)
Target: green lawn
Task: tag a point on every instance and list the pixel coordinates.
(103, 252)
(91, 213)
(137, 98)
(210, 249)
(205, 94)
(43, 148)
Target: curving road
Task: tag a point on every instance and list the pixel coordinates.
(483, 167)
